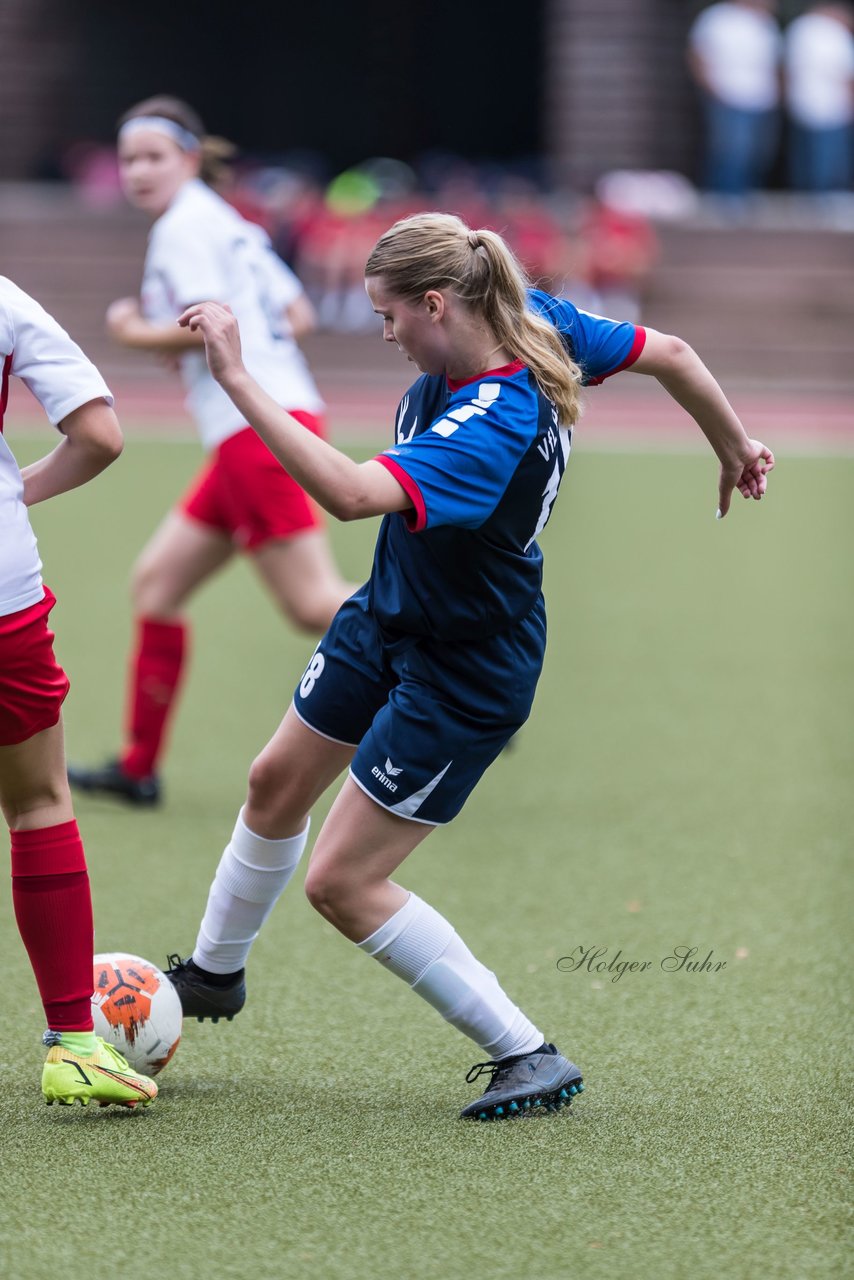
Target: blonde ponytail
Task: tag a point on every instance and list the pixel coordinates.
(438, 251)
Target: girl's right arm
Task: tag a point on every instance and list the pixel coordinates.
(346, 489)
(69, 388)
(744, 462)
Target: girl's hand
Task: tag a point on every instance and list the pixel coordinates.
(747, 473)
(217, 325)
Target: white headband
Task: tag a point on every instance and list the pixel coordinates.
(159, 124)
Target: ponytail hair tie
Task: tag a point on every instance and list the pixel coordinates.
(474, 240)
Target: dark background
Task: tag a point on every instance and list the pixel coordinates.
(349, 80)
(565, 90)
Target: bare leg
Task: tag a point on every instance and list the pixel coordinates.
(289, 776)
(268, 840)
(303, 579)
(180, 555)
(33, 784)
(360, 846)
(348, 882)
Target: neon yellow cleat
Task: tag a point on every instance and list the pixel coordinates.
(105, 1077)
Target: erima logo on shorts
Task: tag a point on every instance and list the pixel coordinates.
(384, 778)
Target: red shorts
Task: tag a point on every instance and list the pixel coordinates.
(244, 492)
(32, 683)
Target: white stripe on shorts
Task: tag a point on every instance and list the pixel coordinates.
(389, 809)
(409, 808)
(328, 737)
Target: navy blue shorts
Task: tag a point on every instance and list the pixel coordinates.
(427, 717)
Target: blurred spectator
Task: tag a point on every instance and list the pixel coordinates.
(598, 253)
(819, 85)
(661, 194)
(339, 231)
(94, 171)
(734, 53)
(613, 250)
(621, 248)
(524, 219)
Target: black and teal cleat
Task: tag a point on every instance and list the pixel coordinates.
(205, 995)
(528, 1083)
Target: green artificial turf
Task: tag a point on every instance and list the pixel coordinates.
(685, 781)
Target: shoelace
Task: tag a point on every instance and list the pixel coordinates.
(175, 964)
(496, 1069)
(113, 1052)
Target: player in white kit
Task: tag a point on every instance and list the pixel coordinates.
(243, 499)
(50, 883)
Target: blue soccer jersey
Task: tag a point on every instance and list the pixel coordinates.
(482, 462)
(599, 346)
(431, 667)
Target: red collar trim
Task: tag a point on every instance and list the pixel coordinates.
(506, 370)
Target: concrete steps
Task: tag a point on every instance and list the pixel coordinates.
(761, 306)
(766, 307)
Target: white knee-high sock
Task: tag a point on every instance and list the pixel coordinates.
(249, 879)
(421, 947)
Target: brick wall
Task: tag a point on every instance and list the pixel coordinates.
(38, 53)
(617, 93)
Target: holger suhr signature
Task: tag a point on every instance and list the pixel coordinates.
(681, 959)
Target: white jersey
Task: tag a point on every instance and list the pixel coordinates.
(201, 249)
(740, 49)
(820, 72)
(37, 350)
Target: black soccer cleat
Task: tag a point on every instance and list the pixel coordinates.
(528, 1083)
(111, 780)
(200, 997)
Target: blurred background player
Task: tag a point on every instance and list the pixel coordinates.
(819, 87)
(429, 670)
(199, 247)
(734, 51)
(50, 883)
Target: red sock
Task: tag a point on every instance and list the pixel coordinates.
(53, 908)
(155, 675)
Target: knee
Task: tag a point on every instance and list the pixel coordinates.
(325, 891)
(275, 794)
(146, 587)
(49, 801)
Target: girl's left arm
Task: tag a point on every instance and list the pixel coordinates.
(301, 317)
(348, 490)
(744, 462)
(92, 439)
(129, 327)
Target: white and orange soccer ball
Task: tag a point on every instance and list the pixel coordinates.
(136, 1008)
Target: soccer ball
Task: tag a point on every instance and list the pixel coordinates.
(136, 1008)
